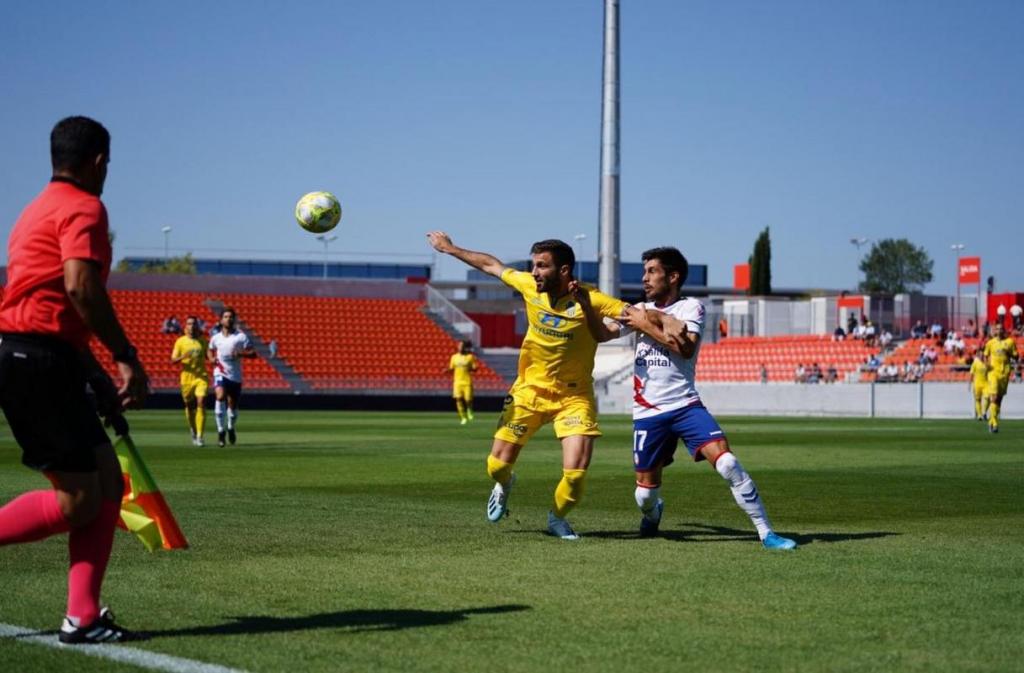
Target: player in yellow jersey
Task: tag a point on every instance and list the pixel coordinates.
(999, 351)
(555, 380)
(462, 365)
(979, 382)
(190, 351)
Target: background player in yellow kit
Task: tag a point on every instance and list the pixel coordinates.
(462, 365)
(555, 381)
(979, 382)
(999, 351)
(190, 351)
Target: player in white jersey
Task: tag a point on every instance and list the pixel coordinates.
(666, 405)
(227, 348)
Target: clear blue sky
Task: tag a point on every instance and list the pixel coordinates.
(822, 120)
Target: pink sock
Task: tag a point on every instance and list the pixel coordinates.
(31, 516)
(89, 549)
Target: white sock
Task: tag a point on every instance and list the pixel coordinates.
(232, 418)
(646, 498)
(218, 413)
(744, 491)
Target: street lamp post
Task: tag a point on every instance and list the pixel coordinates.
(957, 249)
(858, 241)
(326, 240)
(579, 261)
(167, 238)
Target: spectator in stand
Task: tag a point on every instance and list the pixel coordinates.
(832, 375)
(970, 329)
(800, 375)
(950, 343)
(1018, 320)
(272, 347)
(861, 331)
(171, 326)
(931, 357)
(907, 373)
(871, 363)
(851, 325)
(764, 374)
(936, 330)
(814, 374)
(723, 328)
(885, 339)
(870, 334)
(839, 334)
(918, 331)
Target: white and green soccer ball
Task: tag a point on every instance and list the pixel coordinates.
(318, 212)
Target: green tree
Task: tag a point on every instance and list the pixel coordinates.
(761, 265)
(895, 266)
(181, 265)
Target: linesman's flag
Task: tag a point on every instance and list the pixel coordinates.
(143, 508)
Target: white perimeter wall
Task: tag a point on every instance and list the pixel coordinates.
(932, 400)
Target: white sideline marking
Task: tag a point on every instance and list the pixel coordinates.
(128, 655)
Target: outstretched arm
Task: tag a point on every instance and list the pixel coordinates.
(595, 323)
(489, 264)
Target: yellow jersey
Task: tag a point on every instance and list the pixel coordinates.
(462, 366)
(194, 364)
(979, 371)
(998, 353)
(558, 350)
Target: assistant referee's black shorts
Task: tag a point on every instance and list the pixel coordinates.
(42, 392)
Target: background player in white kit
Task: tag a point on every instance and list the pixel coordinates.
(227, 348)
(666, 406)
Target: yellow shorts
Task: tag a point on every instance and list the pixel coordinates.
(979, 389)
(997, 385)
(193, 388)
(463, 391)
(527, 408)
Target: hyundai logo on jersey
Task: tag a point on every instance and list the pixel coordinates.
(553, 320)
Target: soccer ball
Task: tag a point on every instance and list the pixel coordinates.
(318, 212)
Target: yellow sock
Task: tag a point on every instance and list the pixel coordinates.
(460, 406)
(190, 418)
(499, 470)
(977, 409)
(569, 491)
(200, 420)
(993, 414)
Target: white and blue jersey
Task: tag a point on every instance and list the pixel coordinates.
(228, 364)
(666, 405)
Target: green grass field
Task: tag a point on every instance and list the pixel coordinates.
(357, 542)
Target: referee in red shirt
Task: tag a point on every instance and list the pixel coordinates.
(58, 262)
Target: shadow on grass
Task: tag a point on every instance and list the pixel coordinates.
(700, 532)
(353, 620)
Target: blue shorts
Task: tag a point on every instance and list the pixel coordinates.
(655, 438)
(231, 388)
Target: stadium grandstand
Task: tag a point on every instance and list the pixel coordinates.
(334, 338)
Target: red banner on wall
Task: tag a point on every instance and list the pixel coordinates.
(970, 271)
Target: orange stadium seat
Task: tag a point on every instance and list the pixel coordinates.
(737, 359)
(332, 343)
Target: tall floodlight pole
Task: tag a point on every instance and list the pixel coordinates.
(608, 224)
